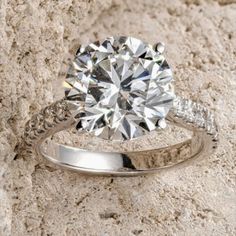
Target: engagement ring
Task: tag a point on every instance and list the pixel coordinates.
(121, 89)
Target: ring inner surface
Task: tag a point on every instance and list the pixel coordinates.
(129, 160)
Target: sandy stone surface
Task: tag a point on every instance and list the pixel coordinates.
(36, 38)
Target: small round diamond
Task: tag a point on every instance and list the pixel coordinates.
(124, 86)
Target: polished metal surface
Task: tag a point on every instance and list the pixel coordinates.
(184, 113)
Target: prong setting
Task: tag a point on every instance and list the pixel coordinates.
(162, 123)
(113, 78)
(159, 47)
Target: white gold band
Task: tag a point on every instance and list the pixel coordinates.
(185, 113)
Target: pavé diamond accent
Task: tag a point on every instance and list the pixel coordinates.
(124, 86)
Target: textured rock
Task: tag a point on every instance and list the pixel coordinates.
(37, 37)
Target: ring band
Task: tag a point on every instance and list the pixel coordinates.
(120, 88)
(184, 113)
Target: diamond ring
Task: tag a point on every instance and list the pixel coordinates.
(121, 88)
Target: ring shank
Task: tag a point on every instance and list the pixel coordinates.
(132, 163)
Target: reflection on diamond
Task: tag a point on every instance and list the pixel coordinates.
(124, 85)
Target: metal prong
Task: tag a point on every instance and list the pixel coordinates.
(162, 123)
(159, 47)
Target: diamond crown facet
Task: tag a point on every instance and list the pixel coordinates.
(124, 86)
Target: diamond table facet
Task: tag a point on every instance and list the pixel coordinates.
(124, 86)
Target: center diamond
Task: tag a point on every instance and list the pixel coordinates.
(123, 85)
